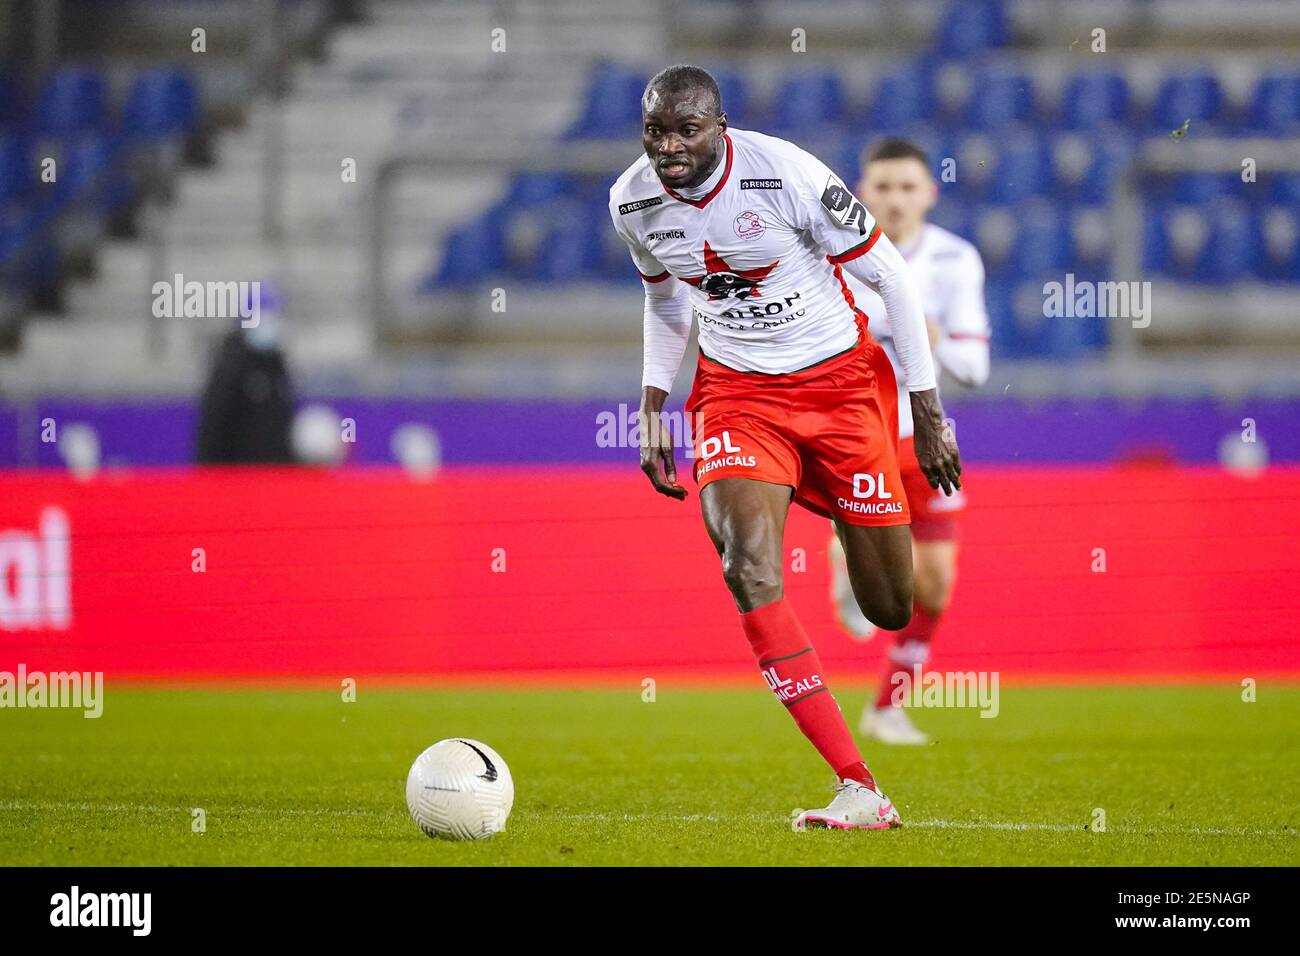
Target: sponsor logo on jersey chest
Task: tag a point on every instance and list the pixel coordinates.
(628, 207)
(760, 184)
(666, 234)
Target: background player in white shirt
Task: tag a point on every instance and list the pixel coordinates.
(900, 191)
(753, 236)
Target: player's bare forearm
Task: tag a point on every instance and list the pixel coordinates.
(657, 445)
(652, 399)
(936, 446)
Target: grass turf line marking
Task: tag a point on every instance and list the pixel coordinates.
(32, 805)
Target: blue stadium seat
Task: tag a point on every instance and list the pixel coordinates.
(842, 153)
(1022, 168)
(612, 105)
(532, 188)
(1027, 326)
(1198, 186)
(16, 169)
(1279, 232)
(735, 97)
(40, 261)
(1087, 165)
(1194, 95)
(1094, 97)
(474, 251)
(993, 230)
(1067, 337)
(1215, 243)
(73, 101)
(569, 249)
(1158, 257)
(13, 100)
(92, 155)
(1234, 245)
(162, 104)
(969, 26)
(1000, 97)
(837, 148)
(1284, 189)
(806, 100)
(902, 97)
(1092, 242)
(1005, 340)
(936, 142)
(1043, 244)
(1275, 104)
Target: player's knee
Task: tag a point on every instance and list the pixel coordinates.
(890, 614)
(754, 580)
(888, 605)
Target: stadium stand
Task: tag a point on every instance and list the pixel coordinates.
(1048, 142)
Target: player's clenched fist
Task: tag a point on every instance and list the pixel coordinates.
(657, 445)
(936, 445)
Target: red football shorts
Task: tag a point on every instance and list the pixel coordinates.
(934, 514)
(830, 432)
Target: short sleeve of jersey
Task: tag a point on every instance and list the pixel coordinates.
(651, 269)
(836, 219)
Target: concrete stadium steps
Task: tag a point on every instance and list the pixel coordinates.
(415, 77)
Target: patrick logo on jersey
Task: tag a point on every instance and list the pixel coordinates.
(722, 281)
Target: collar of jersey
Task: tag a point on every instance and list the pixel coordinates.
(726, 173)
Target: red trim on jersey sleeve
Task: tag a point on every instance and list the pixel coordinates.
(861, 318)
(861, 249)
(659, 278)
(726, 174)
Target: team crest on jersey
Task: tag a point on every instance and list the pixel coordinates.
(721, 281)
(844, 206)
(749, 226)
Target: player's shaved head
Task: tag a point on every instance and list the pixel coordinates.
(682, 125)
(683, 81)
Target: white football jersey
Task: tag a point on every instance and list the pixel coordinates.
(949, 274)
(759, 251)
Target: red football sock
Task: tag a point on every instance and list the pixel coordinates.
(793, 672)
(911, 650)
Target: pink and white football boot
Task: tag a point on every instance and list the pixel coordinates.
(855, 807)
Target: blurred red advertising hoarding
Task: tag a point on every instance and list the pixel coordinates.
(559, 573)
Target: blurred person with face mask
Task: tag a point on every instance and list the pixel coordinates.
(246, 412)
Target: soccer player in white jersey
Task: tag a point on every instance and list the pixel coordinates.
(794, 400)
(899, 191)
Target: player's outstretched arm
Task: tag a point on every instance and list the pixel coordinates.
(657, 444)
(883, 269)
(963, 346)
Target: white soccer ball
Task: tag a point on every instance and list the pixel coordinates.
(460, 789)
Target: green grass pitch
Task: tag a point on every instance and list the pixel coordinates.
(1185, 775)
